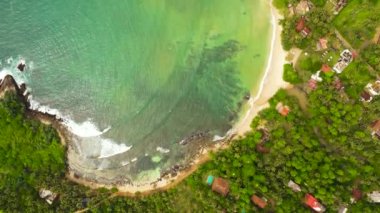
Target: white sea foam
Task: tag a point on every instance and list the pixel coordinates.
(85, 129)
(162, 150)
(110, 148)
(134, 160)
(9, 60)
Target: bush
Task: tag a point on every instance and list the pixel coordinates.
(290, 74)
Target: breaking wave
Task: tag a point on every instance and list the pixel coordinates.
(85, 129)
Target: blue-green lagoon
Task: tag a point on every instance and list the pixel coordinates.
(134, 79)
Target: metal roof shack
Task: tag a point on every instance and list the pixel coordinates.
(295, 187)
(220, 186)
(374, 196)
(313, 203)
(48, 195)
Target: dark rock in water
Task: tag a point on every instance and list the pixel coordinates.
(193, 137)
(23, 88)
(21, 66)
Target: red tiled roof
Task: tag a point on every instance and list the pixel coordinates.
(258, 201)
(220, 186)
(313, 203)
(300, 24)
(285, 111)
(326, 68)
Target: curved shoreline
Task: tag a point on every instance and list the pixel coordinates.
(272, 74)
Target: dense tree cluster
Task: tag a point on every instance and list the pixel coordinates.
(32, 158)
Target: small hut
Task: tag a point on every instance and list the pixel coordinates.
(374, 196)
(220, 186)
(376, 129)
(326, 68)
(48, 195)
(302, 28)
(322, 44)
(303, 7)
(313, 203)
(259, 201)
(282, 109)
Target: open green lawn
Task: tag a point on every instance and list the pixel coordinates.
(358, 21)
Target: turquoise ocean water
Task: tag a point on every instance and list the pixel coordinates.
(133, 78)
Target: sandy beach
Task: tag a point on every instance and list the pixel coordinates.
(271, 82)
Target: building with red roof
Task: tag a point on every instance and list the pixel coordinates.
(376, 129)
(258, 201)
(322, 44)
(302, 28)
(282, 109)
(220, 186)
(326, 68)
(313, 203)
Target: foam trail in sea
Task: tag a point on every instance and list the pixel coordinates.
(85, 129)
(82, 130)
(110, 148)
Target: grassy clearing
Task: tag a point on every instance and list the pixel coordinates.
(358, 21)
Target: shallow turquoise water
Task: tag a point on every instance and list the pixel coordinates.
(155, 72)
